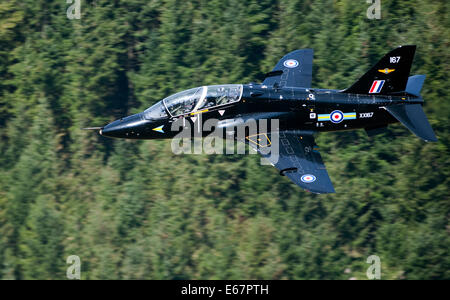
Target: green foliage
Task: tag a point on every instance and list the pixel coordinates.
(41, 241)
(134, 210)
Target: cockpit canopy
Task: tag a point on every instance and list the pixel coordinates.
(156, 112)
(195, 99)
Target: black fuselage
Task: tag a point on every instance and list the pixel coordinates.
(295, 108)
(279, 117)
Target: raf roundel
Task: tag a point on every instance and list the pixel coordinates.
(291, 63)
(336, 116)
(308, 178)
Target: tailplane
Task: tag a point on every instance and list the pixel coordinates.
(414, 85)
(388, 76)
(413, 117)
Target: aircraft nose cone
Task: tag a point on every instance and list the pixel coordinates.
(111, 129)
(123, 127)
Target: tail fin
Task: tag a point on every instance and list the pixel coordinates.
(413, 117)
(388, 76)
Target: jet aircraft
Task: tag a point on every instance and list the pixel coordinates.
(384, 95)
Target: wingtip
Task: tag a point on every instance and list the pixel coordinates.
(329, 190)
(432, 140)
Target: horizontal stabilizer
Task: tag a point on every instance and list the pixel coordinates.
(413, 117)
(415, 84)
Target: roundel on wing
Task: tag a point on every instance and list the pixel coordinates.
(308, 178)
(291, 63)
(337, 116)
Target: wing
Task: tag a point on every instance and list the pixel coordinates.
(294, 70)
(298, 159)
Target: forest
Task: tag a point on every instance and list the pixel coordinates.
(134, 210)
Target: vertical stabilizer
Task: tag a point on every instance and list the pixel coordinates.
(388, 76)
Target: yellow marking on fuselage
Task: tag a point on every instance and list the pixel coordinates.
(199, 112)
(259, 140)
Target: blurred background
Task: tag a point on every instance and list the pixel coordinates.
(134, 210)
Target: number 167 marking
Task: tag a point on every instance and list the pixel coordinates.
(395, 59)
